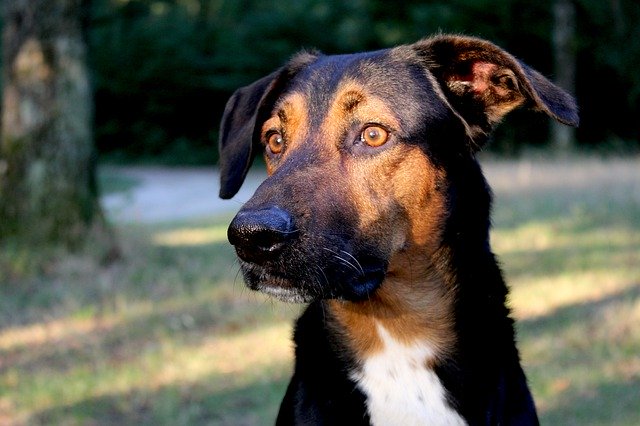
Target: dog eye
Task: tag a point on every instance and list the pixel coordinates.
(374, 136)
(275, 142)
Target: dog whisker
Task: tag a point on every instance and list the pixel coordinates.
(326, 280)
(342, 260)
(355, 260)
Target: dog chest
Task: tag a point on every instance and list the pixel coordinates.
(401, 389)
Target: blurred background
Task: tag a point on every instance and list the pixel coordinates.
(164, 69)
(120, 298)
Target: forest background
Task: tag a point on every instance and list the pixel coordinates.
(163, 69)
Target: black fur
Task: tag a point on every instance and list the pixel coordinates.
(483, 377)
(442, 113)
(320, 391)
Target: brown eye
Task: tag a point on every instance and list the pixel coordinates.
(275, 143)
(374, 136)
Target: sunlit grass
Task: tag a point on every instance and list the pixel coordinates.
(571, 253)
(191, 236)
(167, 335)
(170, 335)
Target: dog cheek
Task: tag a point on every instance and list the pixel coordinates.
(380, 219)
(416, 191)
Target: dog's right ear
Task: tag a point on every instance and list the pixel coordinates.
(239, 138)
(236, 133)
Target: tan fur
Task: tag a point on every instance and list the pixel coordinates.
(397, 203)
(412, 303)
(291, 119)
(408, 310)
(395, 196)
(353, 102)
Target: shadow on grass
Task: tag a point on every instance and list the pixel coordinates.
(608, 403)
(588, 352)
(567, 315)
(577, 258)
(572, 211)
(90, 330)
(78, 284)
(126, 339)
(254, 404)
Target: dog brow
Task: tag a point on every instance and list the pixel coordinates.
(282, 115)
(351, 100)
(289, 108)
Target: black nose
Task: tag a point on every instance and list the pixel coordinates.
(260, 235)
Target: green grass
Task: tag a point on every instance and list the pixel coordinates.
(571, 252)
(168, 335)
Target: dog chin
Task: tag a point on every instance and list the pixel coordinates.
(285, 294)
(280, 288)
(358, 288)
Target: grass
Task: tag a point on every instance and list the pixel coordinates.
(568, 235)
(166, 336)
(169, 335)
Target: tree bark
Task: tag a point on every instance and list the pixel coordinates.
(564, 47)
(47, 172)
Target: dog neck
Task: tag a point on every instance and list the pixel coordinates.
(413, 304)
(397, 337)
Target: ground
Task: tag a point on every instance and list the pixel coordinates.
(169, 335)
(167, 194)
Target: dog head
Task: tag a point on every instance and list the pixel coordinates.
(362, 152)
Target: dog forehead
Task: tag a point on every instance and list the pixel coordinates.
(393, 76)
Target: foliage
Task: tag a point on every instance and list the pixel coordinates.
(165, 68)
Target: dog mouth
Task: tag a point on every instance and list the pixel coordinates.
(311, 283)
(258, 278)
(281, 255)
(285, 294)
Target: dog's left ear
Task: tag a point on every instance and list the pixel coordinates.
(483, 83)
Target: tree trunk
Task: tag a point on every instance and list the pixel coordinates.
(47, 173)
(564, 47)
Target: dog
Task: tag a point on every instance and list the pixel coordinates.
(375, 213)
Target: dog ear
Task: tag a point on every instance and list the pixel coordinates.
(238, 133)
(483, 83)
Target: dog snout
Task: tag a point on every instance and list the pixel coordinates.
(260, 235)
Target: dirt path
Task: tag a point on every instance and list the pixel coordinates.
(170, 194)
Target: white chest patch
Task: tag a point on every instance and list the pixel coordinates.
(400, 389)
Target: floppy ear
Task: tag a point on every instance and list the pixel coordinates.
(247, 106)
(483, 83)
(236, 134)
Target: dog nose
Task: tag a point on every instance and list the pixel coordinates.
(259, 235)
